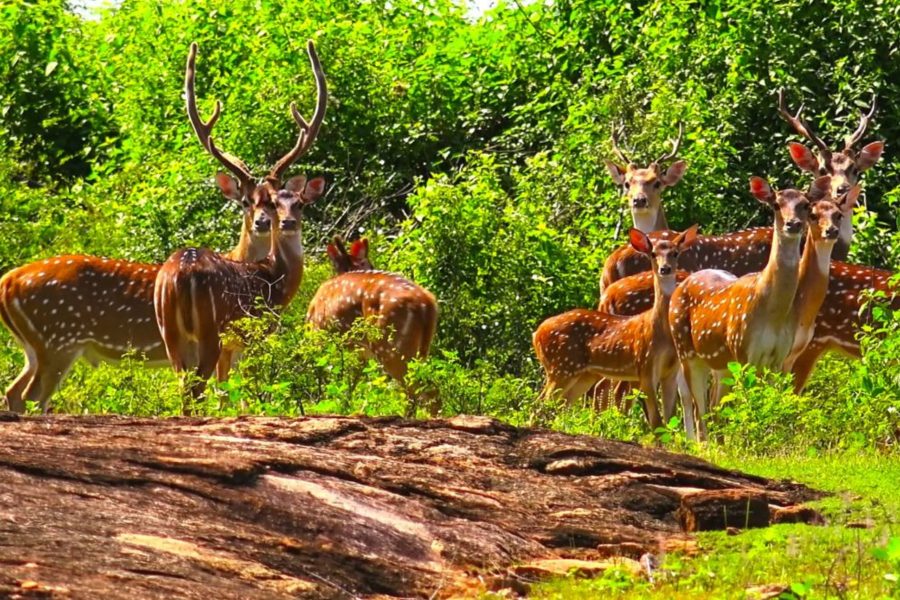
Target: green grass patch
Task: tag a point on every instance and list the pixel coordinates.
(832, 561)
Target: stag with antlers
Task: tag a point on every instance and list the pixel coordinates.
(643, 187)
(199, 293)
(845, 167)
(66, 307)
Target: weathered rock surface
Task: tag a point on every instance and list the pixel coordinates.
(325, 507)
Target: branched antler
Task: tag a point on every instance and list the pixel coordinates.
(203, 129)
(616, 132)
(801, 127)
(676, 143)
(308, 131)
(864, 118)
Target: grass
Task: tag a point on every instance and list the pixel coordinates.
(832, 561)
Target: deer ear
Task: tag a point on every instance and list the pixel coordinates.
(640, 241)
(314, 189)
(616, 172)
(869, 155)
(339, 259)
(359, 249)
(296, 184)
(674, 173)
(761, 190)
(820, 188)
(229, 186)
(687, 238)
(847, 203)
(333, 253)
(803, 157)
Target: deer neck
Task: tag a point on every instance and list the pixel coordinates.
(813, 280)
(845, 238)
(647, 222)
(662, 293)
(287, 258)
(778, 282)
(250, 247)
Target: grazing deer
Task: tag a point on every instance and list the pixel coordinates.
(62, 308)
(198, 293)
(717, 318)
(643, 187)
(579, 347)
(405, 313)
(844, 167)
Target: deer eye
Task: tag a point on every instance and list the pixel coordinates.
(838, 217)
(674, 253)
(657, 184)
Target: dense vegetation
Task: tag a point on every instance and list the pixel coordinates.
(469, 148)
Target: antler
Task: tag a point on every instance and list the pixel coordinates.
(308, 131)
(675, 145)
(203, 129)
(802, 127)
(615, 144)
(863, 125)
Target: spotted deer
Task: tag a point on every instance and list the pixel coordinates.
(747, 251)
(642, 187)
(62, 308)
(842, 315)
(405, 313)
(717, 318)
(845, 167)
(581, 346)
(199, 294)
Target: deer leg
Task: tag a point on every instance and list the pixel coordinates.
(622, 389)
(651, 407)
(14, 393)
(46, 379)
(209, 350)
(224, 364)
(578, 387)
(21, 329)
(669, 393)
(687, 407)
(722, 388)
(803, 366)
(697, 376)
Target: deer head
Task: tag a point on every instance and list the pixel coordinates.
(791, 206)
(643, 186)
(290, 201)
(357, 259)
(826, 217)
(846, 166)
(663, 254)
(243, 187)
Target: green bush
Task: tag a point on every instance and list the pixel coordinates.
(470, 149)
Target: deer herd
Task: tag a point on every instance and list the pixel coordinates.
(675, 307)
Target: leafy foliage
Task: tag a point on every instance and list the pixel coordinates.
(469, 148)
